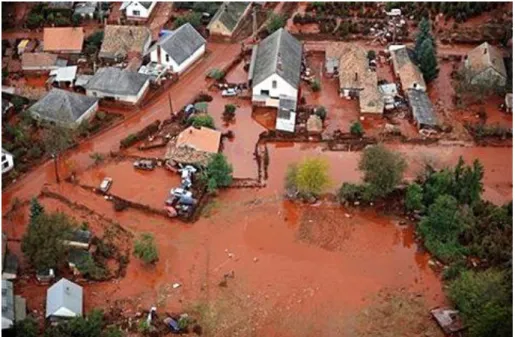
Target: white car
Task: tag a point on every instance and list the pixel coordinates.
(106, 184)
(180, 192)
(229, 92)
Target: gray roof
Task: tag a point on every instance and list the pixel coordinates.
(10, 263)
(85, 8)
(182, 42)
(82, 80)
(63, 106)
(281, 54)
(146, 4)
(7, 300)
(117, 81)
(82, 236)
(64, 294)
(60, 5)
(421, 107)
(230, 13)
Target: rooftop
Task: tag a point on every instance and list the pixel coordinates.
(409, 74)
(486, 56)
(421, 107)
(119, 41)
(353, 69)
(64, 299)
(63, 39)
(229, 14)
(203, 139)
(45, 60)
(335, 49)
(117, 81)
(181, 43)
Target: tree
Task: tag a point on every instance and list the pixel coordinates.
(26, 328)
(275, 22)
(321, 112)
(204, 120)
(356, 129)
(216, 74)
(468, 184)
(371, 55)
(428, 61)
(36, 209)
(57, 139)
(218, 173)
(90, 326)
(424, 33)
(414, 198)
(315, 85)
(383, 169)
(43, 244)
(229, 114)
(485, 302)
(194, 18)
(312, 176)
(145, 248)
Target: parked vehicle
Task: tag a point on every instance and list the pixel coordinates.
(229, 92)
(172, 324)
(186, 200)
(105, 185)
(144, 164)
(172, 213)
(186, 183)
(179, 192)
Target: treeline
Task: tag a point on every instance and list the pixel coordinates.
(460, 11)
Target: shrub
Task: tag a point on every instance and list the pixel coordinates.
(383, 170)
(229, 112)
(356, 129)
(216, 74)
(350, 192)
(35, 152)
(371, 54)
(414, 198)
(315, 85)
(321, 112)
(195, 19)
(146, 249)
(218, 173)
(34, 20)
(27, 327)
(204, 120)
(18, 103)
(97, 157)
(101, 115)
(120, 205)
(310, 177)
(275, 22)
(128, 141)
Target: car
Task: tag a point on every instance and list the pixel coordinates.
(106, 184)
(229, 92)
(144, 164)
(172, 324)
(179, 192)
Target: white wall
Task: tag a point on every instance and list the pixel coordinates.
(286, 124)
(283, 88)
(136, 6)
(8, 160)
(171, 64)
(124, 98)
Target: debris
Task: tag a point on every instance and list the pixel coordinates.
(256, 259)
(176, 285)
(347, 215)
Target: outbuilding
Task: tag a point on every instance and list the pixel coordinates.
(421, 108)
(138, 10)
(117, 84)
(64, 300)
(228, 17)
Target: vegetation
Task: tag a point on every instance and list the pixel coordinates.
(57, 139)
(275, 22)
(194, 18)
(309, 178)
(145, 248)
(203, 119)
(129, 140)
(229, 112)
(216, 74)
(36, 209)
(321, 112)
(471, 90)
(315, 85)
(94, 42)
(93, 325)
(425, 51)
(26, 328)
(90, 269)
(42, 244)
(218, 173)
(414, 198)
(371, 55)
(356, 129)
(97, 157)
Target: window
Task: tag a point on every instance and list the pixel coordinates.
(136, 13)
(167, 58)
(4, 157)
(274, 84)
(5, 165)
(265, 92)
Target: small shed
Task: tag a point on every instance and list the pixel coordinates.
(286, 115)
(389, 92)
(64, 300)
(422, 109)
(63, 75)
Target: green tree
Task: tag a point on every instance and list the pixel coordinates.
(485, 302)
(26, 328)
(43, 244)
(218, 173)
(428, 61)
(424, 33)
(312, 176)
(194, 18)
(145, 248)
(89, 326)
(57, 139)
(204, 120)
(315, 85)
(229, 112)
(321, 112)
(36, 209)
(275, 22)
(468, 184)
(371, 55)
(356, 129)
(216, 74)
(414, 198)
(383, 170)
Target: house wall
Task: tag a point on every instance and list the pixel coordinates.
(218, 28)
(283, 88)
(331, 63)
(7, 162)
(160, 57)
(143, 12)
(133, 99)
(86, 116)
(286, 124)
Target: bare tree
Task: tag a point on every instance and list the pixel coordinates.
(56, 139)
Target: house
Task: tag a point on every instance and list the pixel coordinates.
(60, 5)
(120, 41)
(10, 266)
(63, 76)
(405, 70)
(14, 308)
(120, 85)
(202, 139)
(63, 300)
(64, 40)
(357, 80)
(508, 103)
(275, 69)
(333, 54)
(7, 161)
(228, 17)
(179, 49)
(86, 10)
(487, 65)
(64, 108)
(79, 239)
(138, 10)
(422, 109)
(286, 115)
(41, 62)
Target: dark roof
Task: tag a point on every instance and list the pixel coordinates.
(78, 256)
(421, 107)
(146, 4)
(10, 263)
(286, 107)
(63, 106)
(117, 81)
(82, 236)
(281, 54)
(182, 42)
(229, 14)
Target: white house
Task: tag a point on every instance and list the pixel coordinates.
(138, 10)
(117, 84)
(64, 108)
(7, 161)
(14, 307)
(64, 300)
(179, 49)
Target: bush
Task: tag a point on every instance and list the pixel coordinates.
(321, 112)
(371, 55)
(383, 170)
(310, 177)
(195, 19)
(128, 141)
(216, 74)
(18, 103)
(218, 173)
(204, 120)
(35, 152)
(275, 22)
(356, 129)
(229, 112)
(146, 249)
(97, 157)
(26, 328)
(350, 192)
(34, 20)
(414, 198)
(315, 85)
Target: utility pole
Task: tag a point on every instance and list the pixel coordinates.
(170, 104)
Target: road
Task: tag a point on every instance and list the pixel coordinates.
(189, 84)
